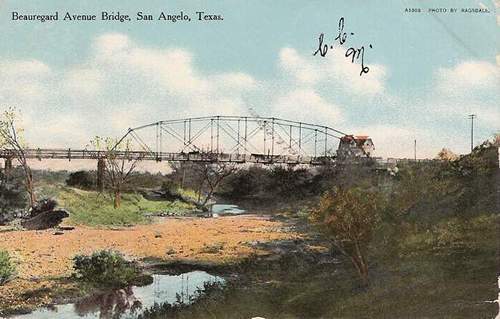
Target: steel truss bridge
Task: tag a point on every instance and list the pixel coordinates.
(215, 139)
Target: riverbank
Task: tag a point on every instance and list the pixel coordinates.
(295, 281)
(43, 258)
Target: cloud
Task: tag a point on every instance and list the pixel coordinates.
(335, 70)
(468, 87)
(440, 110)
(23, 82)
(475, 76)
(110, 44)
(122, 84)
(84, 82)
(306, 105)
(398, 141)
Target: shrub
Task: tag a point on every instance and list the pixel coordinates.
(105, 268)
(169, 186)
(12, 195)
(7, 269)
(212, 248)
(81, 179)
(349, 218)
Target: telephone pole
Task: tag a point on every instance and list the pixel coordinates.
(415, 151)
(471, 117)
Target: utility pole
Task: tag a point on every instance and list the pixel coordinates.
(471, 117)
(415, 150)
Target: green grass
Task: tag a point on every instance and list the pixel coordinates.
(7, 268)
(94, 209)
(442, 278)
(446, 270)
(187, 194)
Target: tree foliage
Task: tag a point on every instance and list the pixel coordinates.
(447, 155)
(120, 163)
(11, 138)
(210, 175)
(272, 183)
(204, 177)
(12, 195)
(349, 218)
(81, 179)
(105, 268)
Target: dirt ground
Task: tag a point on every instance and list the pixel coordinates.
(42, 255)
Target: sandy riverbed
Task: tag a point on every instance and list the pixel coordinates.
(42, 254)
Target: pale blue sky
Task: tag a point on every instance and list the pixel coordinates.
(434, 69)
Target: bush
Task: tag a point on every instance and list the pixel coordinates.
(105, 268)
(81, 179)
(12, 196)
(275, 182)
(349, 217)
(7, 269)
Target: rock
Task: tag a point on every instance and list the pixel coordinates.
(58, 233)
(45, 220)
(42, 206)
(65, 227)
(10, 216)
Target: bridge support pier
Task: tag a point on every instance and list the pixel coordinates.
(101, 167)
(8, 166)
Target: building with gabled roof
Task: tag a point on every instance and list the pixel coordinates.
(359, 146)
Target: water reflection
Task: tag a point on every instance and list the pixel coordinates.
(108, 305)
(131, 301)
(226, 209)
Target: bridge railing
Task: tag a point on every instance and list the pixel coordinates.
(69, 154)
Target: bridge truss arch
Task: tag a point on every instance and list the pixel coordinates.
(235, 139)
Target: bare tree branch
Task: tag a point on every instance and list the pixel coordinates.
(118, 165)
(11, 139)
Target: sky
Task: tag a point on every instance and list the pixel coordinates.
(427, 71)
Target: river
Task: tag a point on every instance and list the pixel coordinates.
(131, 301)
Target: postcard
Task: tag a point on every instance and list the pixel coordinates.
(249, 159)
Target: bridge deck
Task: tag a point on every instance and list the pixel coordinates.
(69, 154)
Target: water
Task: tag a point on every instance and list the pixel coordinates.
(129, 302)
(226, 209)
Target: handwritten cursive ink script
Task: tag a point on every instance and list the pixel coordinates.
(353, 53)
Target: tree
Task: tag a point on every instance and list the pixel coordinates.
(289, 182)
(81, 179)
(204, 176)
(251, 181)
(183, 174)
(210, 175)
(349, 217)
(12, 195)
(496, 139)
(11, 138)
(119, 162)
(447, 155)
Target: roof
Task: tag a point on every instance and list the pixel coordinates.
(359, 139)
(347, 138)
